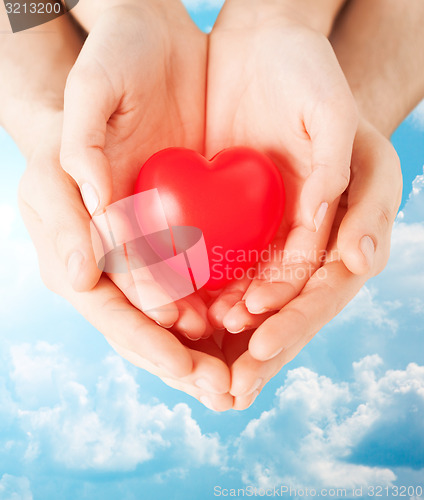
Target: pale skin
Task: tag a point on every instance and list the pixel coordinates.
(200, 373)
(148, 345)
(307, 125)
(128, 108)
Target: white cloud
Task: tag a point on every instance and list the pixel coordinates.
(104, 428)
(203, 4)
(15, 488)
(413, 211)
(18, 266)
(366, 305)
(403, 278)
(38, 372)
(8, 217)
(389, 300)
(418, 115)
(311, 436)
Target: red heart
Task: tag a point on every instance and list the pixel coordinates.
(236, 200)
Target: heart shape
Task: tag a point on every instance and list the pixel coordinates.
(236, 199)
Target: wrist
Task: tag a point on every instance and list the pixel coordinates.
(27, 124)
(34, 65)
(88, 12)
(318, 15)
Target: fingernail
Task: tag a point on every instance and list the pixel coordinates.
(203, 383)
(238, 331)
(89, 195)
(206, 402)
(319, 216)
(255, 386)
(194, 339)
(256, 310)
(367, 247)
(74, 266)
(164, 326)
(276, 353)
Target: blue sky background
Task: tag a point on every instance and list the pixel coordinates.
(78, 422)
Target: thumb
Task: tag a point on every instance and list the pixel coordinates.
(89, 103)
(373, 201)
(332, 133)
(64, 222)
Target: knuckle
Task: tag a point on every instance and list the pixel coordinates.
(60, 236)
(338, 177)
(300, 318)
(344, 177)
(74, 155)
(68, 157)
(383, 216)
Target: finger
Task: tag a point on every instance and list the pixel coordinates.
(210, 370)
(246, 372)
(111, 313)
(325, 294)
(126, 261)
(193, 319)
(58, 207)
(146, 295)
(89, 102)
(215, 402)
(239, 319)
(284, 276)
(194, 384)
(231, 294)
(249, 376)
(332, 129)
(210, 373)
(244, 402)
(373, 201)
(108, 310)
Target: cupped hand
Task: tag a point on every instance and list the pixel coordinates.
(368, 207)
(138, 86)
(276, 85)
(58, 222)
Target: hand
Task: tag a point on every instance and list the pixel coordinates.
(137, 87)
(275, 85)
(368, 207)
(56, 219)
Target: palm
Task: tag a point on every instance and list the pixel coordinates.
(151, 99)
(162, 108)
(251, 102)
